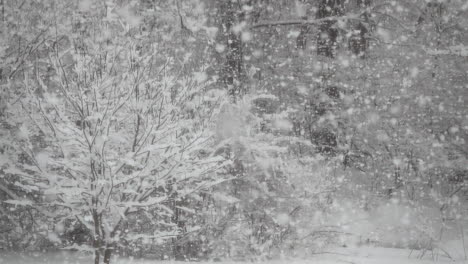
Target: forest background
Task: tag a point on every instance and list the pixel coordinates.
(247, 129)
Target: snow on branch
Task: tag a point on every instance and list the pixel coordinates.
(305, 22)
(356, 16)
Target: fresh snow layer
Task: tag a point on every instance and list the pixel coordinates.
(362, 255)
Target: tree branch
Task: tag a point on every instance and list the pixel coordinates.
(305, 22)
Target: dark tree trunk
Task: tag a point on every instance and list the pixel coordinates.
(97, 237)
(301, 40)
(358, 42)
(97, 256)
(232, 70)
(328, 33)
(107, 254)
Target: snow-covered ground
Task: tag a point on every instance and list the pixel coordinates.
(363, 255)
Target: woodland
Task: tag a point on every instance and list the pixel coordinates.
(244, 130)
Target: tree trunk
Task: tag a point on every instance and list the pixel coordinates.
(107, 254)
(358, 42)
(97, 256)
(328, 33)
(232, 69)
(97, 237)
(301, 40)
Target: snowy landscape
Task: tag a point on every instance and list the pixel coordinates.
(233, 131)
(362, 255)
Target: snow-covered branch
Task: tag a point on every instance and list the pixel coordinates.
(305, 22)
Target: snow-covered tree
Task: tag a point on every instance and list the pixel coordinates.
(112, 132)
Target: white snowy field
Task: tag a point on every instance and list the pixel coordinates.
(362, 255)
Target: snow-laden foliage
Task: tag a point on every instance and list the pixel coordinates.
(112, 135)
(244, 130)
